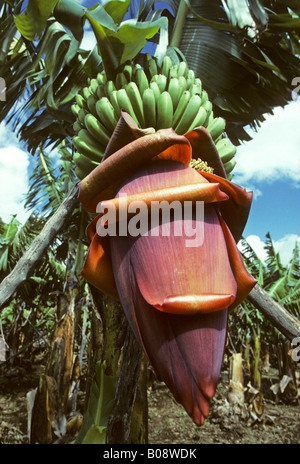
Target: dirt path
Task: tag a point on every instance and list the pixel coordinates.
(280, 423)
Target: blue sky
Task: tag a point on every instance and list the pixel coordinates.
(269, 165)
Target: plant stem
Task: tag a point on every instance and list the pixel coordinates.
(179, 24)
(287, 323)
(257, 363)
(119, 424)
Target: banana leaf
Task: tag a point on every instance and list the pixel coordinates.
(120, 44)
(32, 22)
(278, 290)
(241, 13)
(293, 276)
(117, 9)
(71, 14)
(103, 389)
(245, 53)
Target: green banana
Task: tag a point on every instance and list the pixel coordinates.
(150, 65)
(93, 140)
(156, 96)
(114, 101)
(106, 114)
(141, 80)
(96, 130)
(161, 82)
(135, 67)
(190, 78)
(120, 81)
(125, 103)
(152, 68)
(80, 101)
(183, 101)
(182, 69)
(182, 83)
(127, 70)
(166, 65)
(219, 138)
(229, 166)
(173, 72)
(149, 107)
(226, 150)
(228, 156)
(94, 86)
(85, 164)
(75, 109)
(222, 144)
(207, 105)
(109, 88)
(195, 89)
(86, 92)
(204, 96)
(81, 116)
(91, 104)
(101, 91)
(77, 127)
(210, 115)
(80, 173)
(85, 147)
(199, 118)
(216, 127)
(188, 115)
(174, 91)
(136, 102)
(209, 121)
(155, 88)
(154, 78)
(164, 113)
(101, 78)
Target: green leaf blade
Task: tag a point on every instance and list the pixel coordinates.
(100, 404)
(32, 22)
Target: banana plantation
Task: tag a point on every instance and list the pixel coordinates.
(112, 330)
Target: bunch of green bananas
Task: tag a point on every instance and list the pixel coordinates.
(155, 96)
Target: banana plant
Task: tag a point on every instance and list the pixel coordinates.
(25, 318)
(282, 282)
(50, 76)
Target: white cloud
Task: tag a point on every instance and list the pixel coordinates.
(284, 246)
(274, 151)
(14, 164)
(7, 136)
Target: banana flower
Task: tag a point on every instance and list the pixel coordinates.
(176, 295)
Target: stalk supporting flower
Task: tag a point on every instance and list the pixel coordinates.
(176, 296)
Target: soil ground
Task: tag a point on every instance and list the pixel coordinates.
(168, 422)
